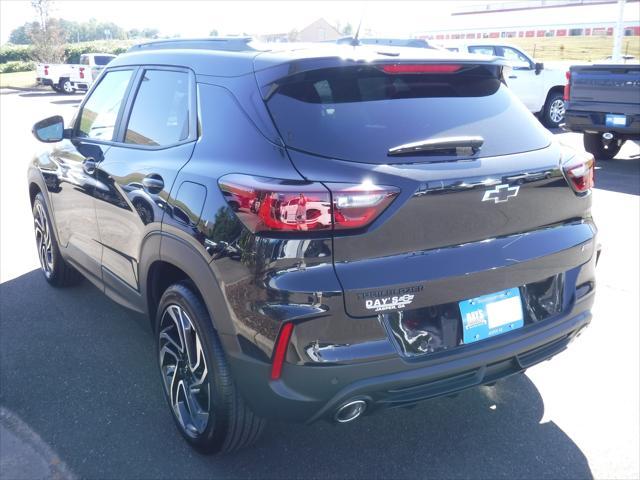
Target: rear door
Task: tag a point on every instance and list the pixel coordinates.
(155, 139)
(523, 80)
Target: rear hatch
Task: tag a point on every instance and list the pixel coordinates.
(605, 83)
(471, 163)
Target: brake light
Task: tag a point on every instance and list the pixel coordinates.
(272, 205)
(280, 350)
(580, 172)
(567, 87)
(400, 68)
(46, 69)
(81, 72)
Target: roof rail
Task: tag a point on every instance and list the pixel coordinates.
(232, 44)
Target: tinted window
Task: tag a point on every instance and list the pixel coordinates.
(100, 112)
(360, 113)
(84, 60)
(102, 59)
(160, 114)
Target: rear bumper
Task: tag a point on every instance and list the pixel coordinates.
(594, 122)
(309, 393)
(44, 81)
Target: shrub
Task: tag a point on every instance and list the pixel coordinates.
(15, 53)
(11, 67)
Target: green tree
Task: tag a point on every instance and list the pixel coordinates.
(213, 33)
(347, 29)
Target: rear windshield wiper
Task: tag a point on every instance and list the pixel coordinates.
(440, 146)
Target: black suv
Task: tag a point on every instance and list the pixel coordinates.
(317, 232)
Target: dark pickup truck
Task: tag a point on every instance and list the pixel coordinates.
(603, 101)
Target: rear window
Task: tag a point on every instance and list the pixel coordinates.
(359, 113)
(102, 59)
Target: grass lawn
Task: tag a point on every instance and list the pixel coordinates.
(18, 80)
(574, 48)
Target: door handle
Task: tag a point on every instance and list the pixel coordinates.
(89, 165)
(153, 183)
(513, 76)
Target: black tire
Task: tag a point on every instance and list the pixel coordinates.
(54, 268)
(65, 86)
(594, 145)
(55, 88)
(553, 112)
(230, 424)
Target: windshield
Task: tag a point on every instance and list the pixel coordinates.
(360, 113)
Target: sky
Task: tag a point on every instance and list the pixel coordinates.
(197, 18)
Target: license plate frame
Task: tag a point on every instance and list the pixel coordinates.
(491, 315)
(615, 120)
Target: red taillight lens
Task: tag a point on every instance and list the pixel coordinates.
(280, 350)
(580, 172)
(567, 87)
(400, 68)
(46, 69)
(81, 72)
(272, 205)
(356, 206)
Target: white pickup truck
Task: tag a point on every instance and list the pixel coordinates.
(539, 86)
(68, 78)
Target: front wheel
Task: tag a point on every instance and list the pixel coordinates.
(55, 269)
(595, 145)
(553, 113)
(204, 401)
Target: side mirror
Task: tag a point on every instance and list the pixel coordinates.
(539, 68)
(49, 130)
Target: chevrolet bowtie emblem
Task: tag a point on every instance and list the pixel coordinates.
(501, 193)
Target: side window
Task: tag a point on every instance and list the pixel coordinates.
(514, 55)
(482, 49)
(100, 112)
(160, 113)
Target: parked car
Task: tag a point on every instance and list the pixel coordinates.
(539, 86)
(459, 246)
(603, 102)
(68, 78)
(91, 64)
(388, 42)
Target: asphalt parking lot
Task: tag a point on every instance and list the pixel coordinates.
(79, 370)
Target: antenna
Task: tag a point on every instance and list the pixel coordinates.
(354, 40)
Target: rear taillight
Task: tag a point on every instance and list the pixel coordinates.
(81, 72)
(273, 205)
(402, 68)
(567, 87)
(280, 350)
(580, 172)
(46, 69)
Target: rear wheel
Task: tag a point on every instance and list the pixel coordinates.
(65, 86)
(553, 113)
(205, 403)
(56, 271)
(56, 88)
(595, 145)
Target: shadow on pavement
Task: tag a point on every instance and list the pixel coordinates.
(619, 175)
(49, 93)
(80, 370)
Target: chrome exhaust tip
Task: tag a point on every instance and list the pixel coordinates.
(350, 411)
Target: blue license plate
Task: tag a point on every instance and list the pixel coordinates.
(612, 120)
(491, 315)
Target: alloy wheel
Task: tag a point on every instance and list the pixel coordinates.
(556, 110)
(184, 370)
(43, 239)
(67, 87)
